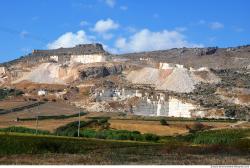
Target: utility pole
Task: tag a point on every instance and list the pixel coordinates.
(79, 124)
(36, 123)
(37, 117)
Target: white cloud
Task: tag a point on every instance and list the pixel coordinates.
(216, 25)
(84, 23)
(146, 40)
(123, 7)
(110, 3)
(70, 39)
(103, 26)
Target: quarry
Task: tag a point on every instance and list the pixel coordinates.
(89, 78)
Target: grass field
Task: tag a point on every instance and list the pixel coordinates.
(18, 148)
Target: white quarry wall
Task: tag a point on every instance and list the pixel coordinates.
(54, 58)
(88, 58)
(165, 66)
(2, 70)
(177, 108)
(41, 93)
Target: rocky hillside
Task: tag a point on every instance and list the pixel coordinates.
(212, 57)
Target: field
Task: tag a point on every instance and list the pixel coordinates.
(18, 148)
(122, 139)
(131, 123)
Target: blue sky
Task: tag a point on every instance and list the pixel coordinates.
(121, 25)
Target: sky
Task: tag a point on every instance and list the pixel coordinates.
(122, 26)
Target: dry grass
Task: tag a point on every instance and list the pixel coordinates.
(49, 108)
(131, 159)
(153, 127)
(8, 104)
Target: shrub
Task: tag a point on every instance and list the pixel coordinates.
(103, 120)
(196, 127)
(53, 117)
(163, 122)
(151, 137)
(225, 136)
(118, 135)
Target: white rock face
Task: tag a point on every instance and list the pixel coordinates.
(87, 58)
(165, 65)
(2, 70)
(54, 58)
(178, 108)
(41, 93)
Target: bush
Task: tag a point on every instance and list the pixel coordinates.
(103, 121)
(118, 135)
(163, 122)
(53, 117)
(151, 137)
(225, 136)
(196, 127)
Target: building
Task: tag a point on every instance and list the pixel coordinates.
(82, 53)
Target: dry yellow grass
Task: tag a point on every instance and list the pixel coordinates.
(153, 127)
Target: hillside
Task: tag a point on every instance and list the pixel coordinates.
(212, 57)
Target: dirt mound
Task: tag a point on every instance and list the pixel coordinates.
(174, 79)
(179, 81)
(44, 73)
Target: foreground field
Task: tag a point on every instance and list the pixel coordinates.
(29, 149)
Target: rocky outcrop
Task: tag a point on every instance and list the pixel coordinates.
(101, 71)
(208, 51)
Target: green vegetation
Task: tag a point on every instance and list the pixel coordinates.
(70, 129)
(53, 117)
(99, 118)
(225, 136)
(163, 122)
(30, 144)
(155, 118)
(9, 92)
(119, 135)
(24, 130)
(103, 131)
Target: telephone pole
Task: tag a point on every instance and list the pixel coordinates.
(36, 123)
(79, 124)
(37, 120)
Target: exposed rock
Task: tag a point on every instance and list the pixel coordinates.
(101, 71)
